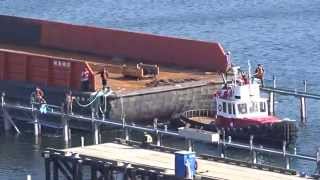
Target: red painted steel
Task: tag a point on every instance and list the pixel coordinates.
(38, 68)
(137, 46)
(16, 67)
(42, 70)
(148, 48)
(2, 65)
(61, 72)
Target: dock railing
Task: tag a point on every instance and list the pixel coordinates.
(223, 143)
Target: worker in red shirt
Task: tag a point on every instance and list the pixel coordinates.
(85, 79)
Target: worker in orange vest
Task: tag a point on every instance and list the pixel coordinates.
(259, 73)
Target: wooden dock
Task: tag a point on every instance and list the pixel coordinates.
(162, 163)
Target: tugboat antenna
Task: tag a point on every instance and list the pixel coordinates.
(249, 71)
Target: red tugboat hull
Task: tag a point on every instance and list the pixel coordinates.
(236, 123)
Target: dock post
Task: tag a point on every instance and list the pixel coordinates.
(37, 125)
(66, 129)
(158, 139)
(253, 152)
(222, 143)
(47, 164)
(65, 123)
(318, 163)
(96, 132)
(29, 177)
(189, 145)
(6, 123)
(286, 157)
(126, 134)
(93, 172)
(55, 170)
(155, 127)
(77, 169)
(303, 106)
(271, 98)
(82, 141)
(95, 127)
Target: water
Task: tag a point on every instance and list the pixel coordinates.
(282, 35)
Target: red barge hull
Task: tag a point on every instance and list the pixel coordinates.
(107, 43)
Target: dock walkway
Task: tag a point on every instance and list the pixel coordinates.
(138, 157)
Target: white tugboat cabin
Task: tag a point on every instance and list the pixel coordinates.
(240, 104)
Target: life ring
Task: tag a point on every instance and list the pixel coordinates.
(219, 107)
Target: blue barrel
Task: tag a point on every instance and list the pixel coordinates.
(183, 161)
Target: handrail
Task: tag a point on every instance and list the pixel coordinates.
(222, 142)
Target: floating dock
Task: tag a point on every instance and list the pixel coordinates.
(112, 159)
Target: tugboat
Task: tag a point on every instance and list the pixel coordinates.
(239, 104)
(241, 112)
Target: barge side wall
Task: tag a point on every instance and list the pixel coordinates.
(42, 70)
(148, 48)
(144, 105)
(164, 102)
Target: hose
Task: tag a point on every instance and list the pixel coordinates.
(92, 100)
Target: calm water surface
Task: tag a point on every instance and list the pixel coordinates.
(282, 35)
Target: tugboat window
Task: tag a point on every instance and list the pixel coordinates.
(233, 108)
(254, 107)
(224, 107)
(229, 108)
(262, 107)
(242, 108)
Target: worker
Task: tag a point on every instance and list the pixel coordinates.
(259, 73)
(69, 101)
(85, 79)
(147, 140)
(104, 75)
(39, 96)
(244, 78)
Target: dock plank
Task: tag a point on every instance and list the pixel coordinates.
(162, 160)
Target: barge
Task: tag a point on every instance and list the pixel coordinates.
(52, 55)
